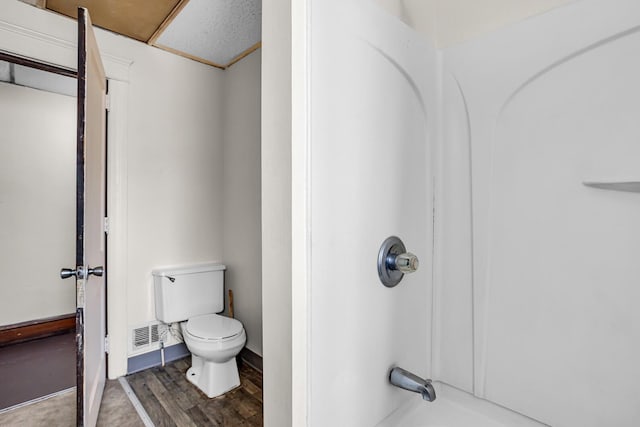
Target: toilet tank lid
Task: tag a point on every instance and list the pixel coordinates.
(187, 269)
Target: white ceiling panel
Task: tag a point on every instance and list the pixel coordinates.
(215, 30)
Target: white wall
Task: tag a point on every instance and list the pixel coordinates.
(539, 110)
(373, 104)
(276, 211)
(451, 22)
(37, 203)
(241, 201)
(175, 175)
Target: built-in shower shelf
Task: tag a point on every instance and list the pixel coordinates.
(630, 185)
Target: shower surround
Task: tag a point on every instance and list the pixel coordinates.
(523, 308)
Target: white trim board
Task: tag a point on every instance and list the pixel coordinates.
(53, 50)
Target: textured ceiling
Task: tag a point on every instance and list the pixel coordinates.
(218, 31)
(215, 32)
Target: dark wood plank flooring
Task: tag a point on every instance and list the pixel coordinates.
(37, 368)
(171, 400)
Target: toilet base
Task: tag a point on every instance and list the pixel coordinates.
(213, 379)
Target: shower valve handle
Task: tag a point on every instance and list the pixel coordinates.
(406, 262)
(394, 262)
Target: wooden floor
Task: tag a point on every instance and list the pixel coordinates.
(171, 400)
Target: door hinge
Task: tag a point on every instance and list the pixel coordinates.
(105, 225)
(106, 344)
(107, 102)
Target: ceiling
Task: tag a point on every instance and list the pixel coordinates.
(215, 32)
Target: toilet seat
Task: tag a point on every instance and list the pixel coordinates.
(213, 327)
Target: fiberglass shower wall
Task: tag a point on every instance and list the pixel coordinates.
(372, 127)
(535, 110)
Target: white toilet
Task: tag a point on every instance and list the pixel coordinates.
(193, 295)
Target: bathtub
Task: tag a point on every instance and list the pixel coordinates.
(454, 408)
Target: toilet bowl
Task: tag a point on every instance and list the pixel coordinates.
(193, 296)
(214, 342)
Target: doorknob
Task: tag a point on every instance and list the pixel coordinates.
(80, 272)
(96, 271)
(65, 273)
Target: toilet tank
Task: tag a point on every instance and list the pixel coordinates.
(184, 292)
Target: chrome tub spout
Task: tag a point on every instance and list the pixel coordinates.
(408, 381)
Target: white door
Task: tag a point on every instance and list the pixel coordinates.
(90, 237)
